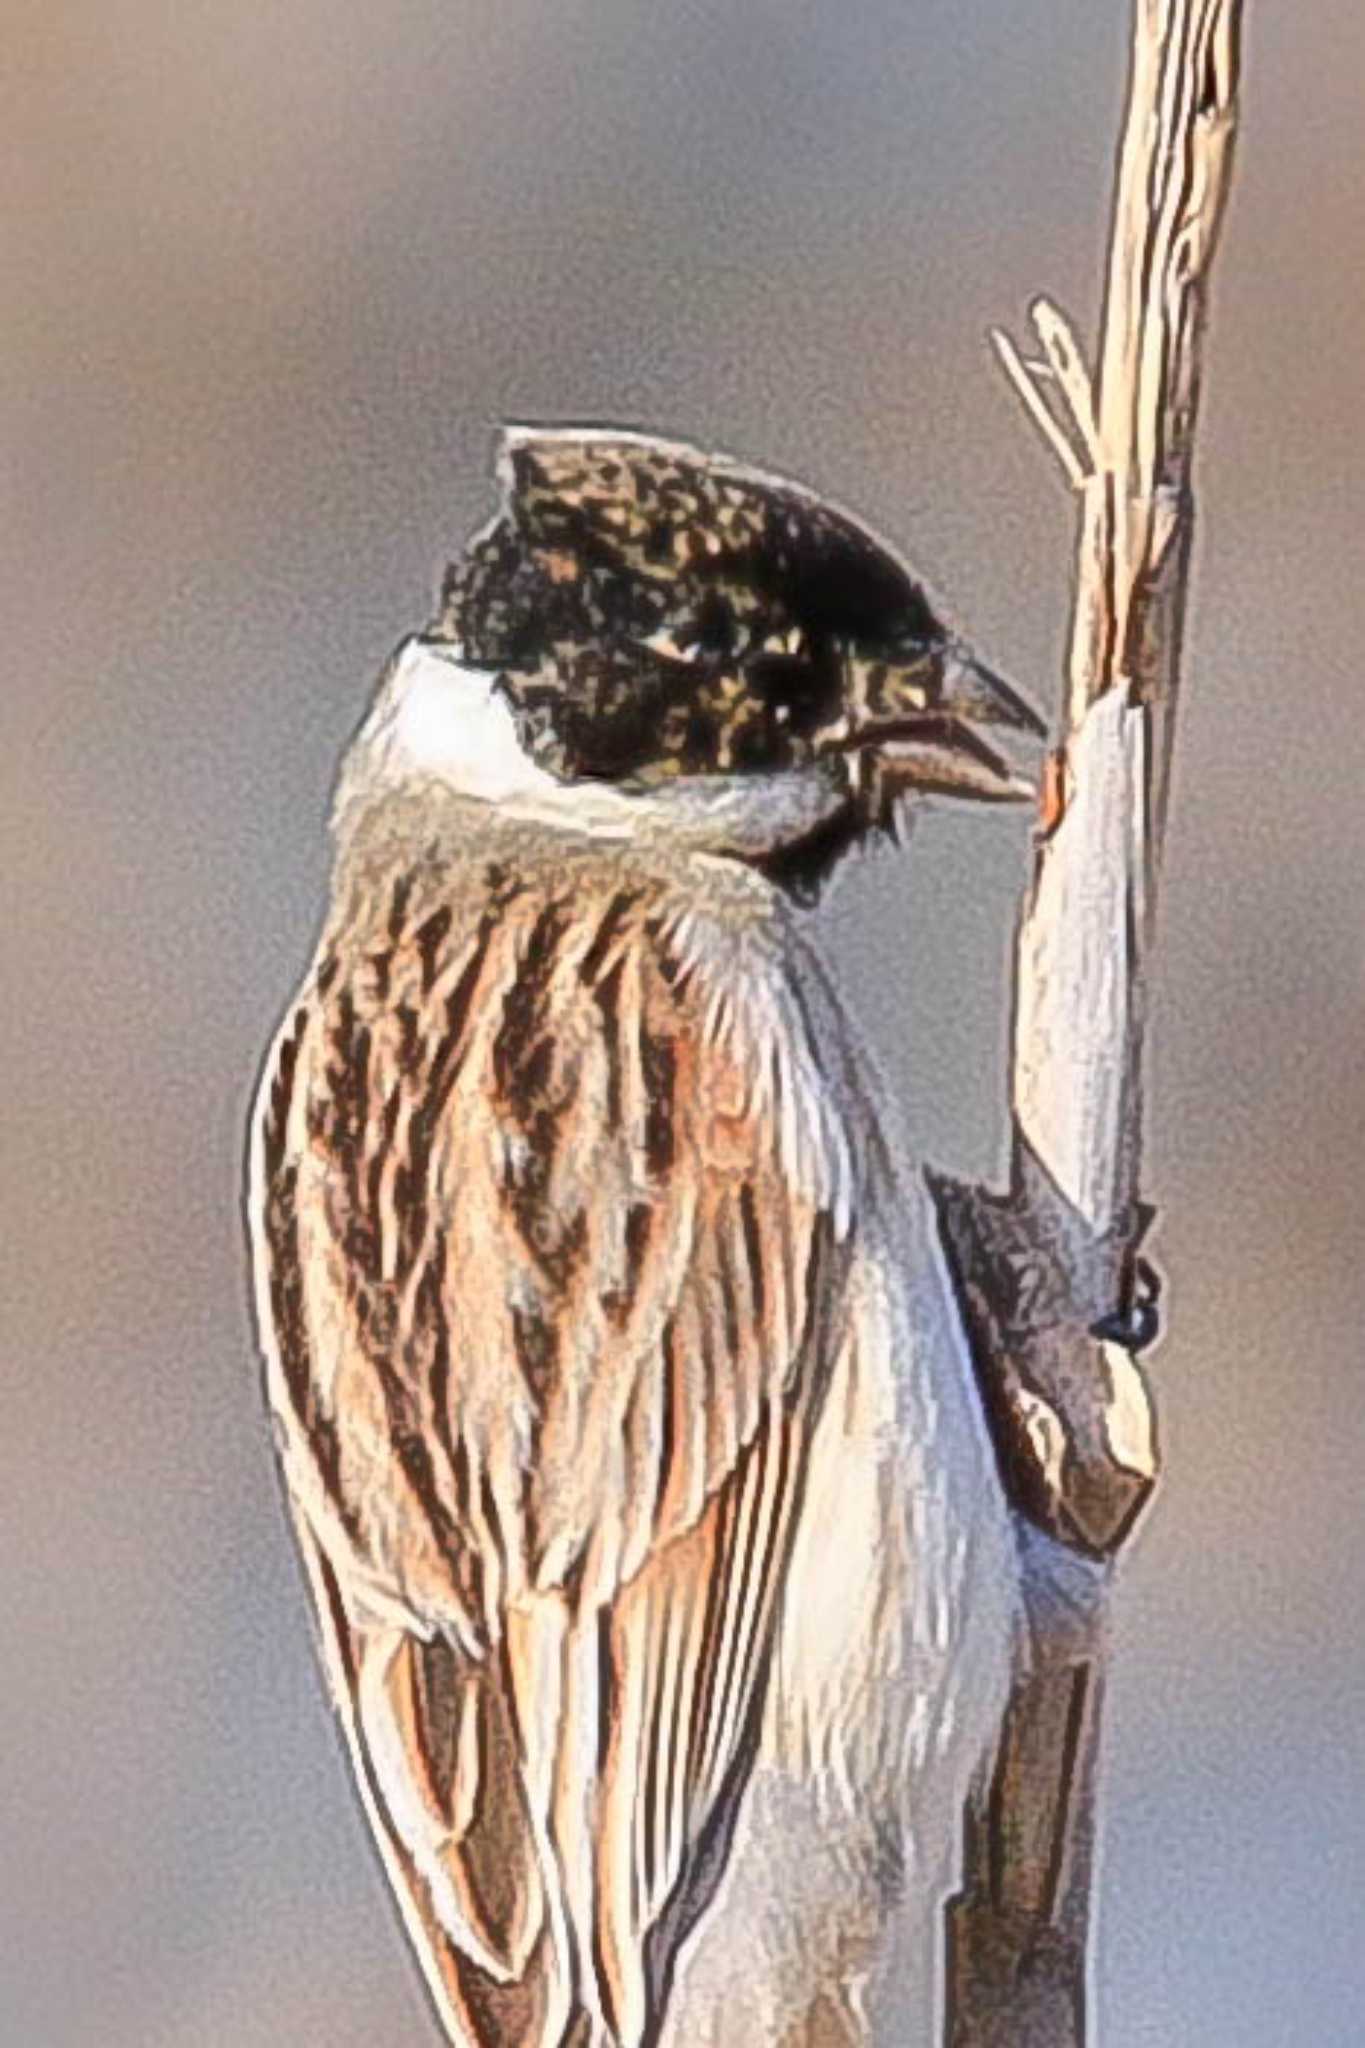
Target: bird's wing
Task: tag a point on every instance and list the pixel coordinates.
(553, 1213)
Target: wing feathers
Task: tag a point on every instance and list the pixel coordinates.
(475, 2005)
(460, 1815)
(553, 1215)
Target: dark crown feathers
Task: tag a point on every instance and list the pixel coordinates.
(660, 611)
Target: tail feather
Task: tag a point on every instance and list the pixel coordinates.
(458, 1843)
(441, 1736)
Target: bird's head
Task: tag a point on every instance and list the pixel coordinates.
(712, 643)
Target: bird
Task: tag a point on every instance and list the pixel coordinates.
(662, 1572)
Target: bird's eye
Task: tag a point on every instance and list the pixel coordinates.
(713, 630)
(801, 693)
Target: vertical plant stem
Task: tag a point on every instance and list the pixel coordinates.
(1047, 1273)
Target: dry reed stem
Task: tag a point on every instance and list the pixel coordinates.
(1039, 1266)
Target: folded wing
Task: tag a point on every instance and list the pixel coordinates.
(552, 1215)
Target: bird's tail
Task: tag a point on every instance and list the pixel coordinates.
(438, 1757)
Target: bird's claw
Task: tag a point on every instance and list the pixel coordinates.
(1136, 1325)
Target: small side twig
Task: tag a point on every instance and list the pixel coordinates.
(1066, 360)
(1025, 377)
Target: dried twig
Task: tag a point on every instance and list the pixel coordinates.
(1026, 377)
(1048, 1273)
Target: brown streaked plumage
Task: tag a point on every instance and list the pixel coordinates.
(575, 1314)
(633, 1464)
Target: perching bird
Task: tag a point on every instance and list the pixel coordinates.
(662, 1570)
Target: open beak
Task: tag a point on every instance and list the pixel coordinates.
(918, 724)
(950, 761)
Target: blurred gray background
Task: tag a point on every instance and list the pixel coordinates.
(272, 274)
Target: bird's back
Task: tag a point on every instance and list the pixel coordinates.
(557, 1207)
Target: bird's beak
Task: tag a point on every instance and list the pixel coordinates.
(917, 720)
(968, 689)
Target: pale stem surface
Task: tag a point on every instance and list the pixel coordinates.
(1039, 1266)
